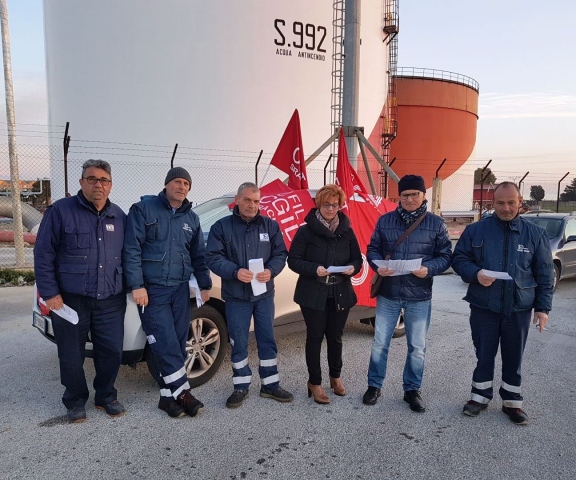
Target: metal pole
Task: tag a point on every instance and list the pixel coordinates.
(384, 165)
(482, 187)
(326, 166)
(367, 167)
(351, 77)
(520, 182)
(256, 167)
(66, 144)
(11, 123)
(558, 194)
(173, 155)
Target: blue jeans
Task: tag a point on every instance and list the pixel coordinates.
(239, 313)
(417, 321)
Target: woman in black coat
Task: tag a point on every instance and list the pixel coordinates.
(326, 240)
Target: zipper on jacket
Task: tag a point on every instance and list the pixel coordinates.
(505, 265)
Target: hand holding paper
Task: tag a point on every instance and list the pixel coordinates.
(256, 265)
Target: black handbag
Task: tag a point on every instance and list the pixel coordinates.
(376, 281)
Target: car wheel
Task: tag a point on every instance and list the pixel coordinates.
(556, 277)
(400, 329)
(206, 345)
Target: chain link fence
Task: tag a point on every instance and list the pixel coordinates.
(140, 169)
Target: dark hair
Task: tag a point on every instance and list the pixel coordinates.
(506, 185)
(97, 164)
(329, 191)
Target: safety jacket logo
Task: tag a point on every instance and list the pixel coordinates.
(187, 227)
(264, 237)
(522, 248)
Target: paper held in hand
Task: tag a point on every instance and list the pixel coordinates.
(400, 267)
(497, 275)
(334, 269)
(65, 312)
(256, 265)
(195, 290)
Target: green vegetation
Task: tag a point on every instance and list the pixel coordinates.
(9, 276)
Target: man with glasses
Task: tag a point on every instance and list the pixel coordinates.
(232, 243)
(78, 263)
(407, 291)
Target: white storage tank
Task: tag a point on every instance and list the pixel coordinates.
(221, 78)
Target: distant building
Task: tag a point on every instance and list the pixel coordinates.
(484, 195)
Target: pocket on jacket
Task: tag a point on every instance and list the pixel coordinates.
(151, 226)
(524, 293)
(76, 238)
(478, 251)
(73, 277)
(118, 279)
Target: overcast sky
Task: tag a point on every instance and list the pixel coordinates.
(520, 52)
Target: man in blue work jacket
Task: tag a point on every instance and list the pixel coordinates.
(164, 245)
(234, 241)
(78, 262)
(501, 309)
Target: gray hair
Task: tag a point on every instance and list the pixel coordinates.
(96, 164)
(245, 185)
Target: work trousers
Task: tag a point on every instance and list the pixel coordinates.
(327, 323)
(166, 322)
(239, 314)
(104, 321)
(510, 332)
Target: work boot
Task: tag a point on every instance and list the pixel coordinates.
(237, 398)
(191, 405)
(516, 415)
(76, 415)
(413, 398)
(113, 409)
(171, 407)
(473, 409)
(278, 394)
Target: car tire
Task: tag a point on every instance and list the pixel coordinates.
(400, 329)
(556, 277)
(205, 347)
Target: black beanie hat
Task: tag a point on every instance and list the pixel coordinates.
(177, 172)
(411, 182)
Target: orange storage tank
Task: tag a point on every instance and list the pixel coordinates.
(437, 118)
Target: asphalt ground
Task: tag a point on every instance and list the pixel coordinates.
(266, 439)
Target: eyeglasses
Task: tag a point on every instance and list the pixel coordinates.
(93, 181)
(329, 206)
(406, 196)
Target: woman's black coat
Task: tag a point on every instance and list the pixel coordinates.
(313, 246)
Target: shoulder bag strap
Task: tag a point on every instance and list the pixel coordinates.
(405, 235)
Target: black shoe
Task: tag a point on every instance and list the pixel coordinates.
(413, 398)
(113, 409)
(371, 396)
(278, 394)
(237, 398)
(473, 409)
(191, 405)
(171, 407)
(516, 415)
(76, 415)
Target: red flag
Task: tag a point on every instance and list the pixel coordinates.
(288, 207)
(363, 210)
(289, 155)
(346, 177)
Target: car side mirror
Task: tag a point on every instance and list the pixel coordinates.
(571, 238)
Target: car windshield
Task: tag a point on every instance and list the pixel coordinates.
(551, 225)
(211, 211)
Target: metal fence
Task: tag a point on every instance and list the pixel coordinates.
(139, 169)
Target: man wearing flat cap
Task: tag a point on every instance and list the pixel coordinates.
(408, 233)
(164, 245)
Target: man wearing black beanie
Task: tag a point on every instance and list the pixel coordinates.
(427, 239)
(163, 246)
